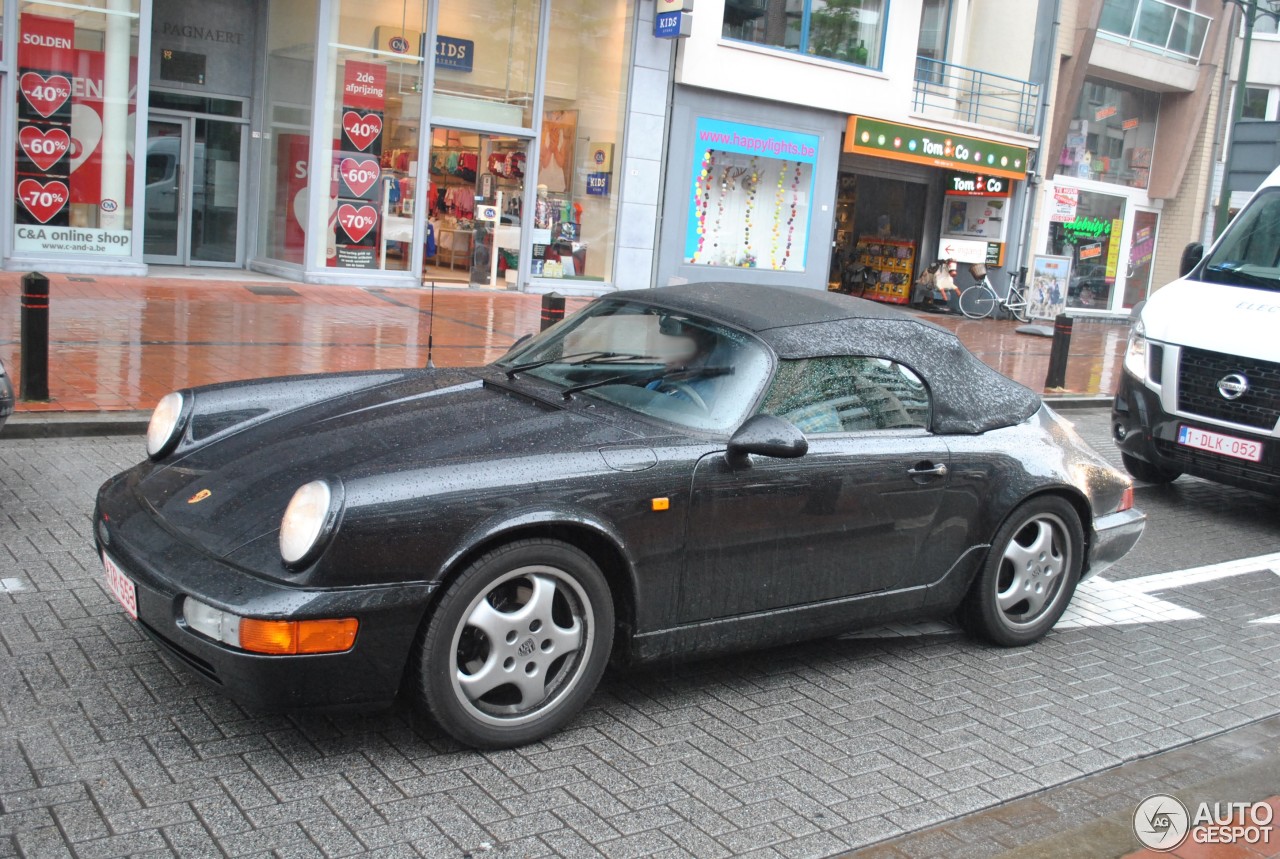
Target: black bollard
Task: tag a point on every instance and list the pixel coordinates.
(1057, 375)
(35, 336)
(552, 309)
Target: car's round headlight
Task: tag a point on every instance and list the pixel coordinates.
(166, 423)
(306, 520)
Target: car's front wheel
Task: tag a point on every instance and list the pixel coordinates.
(1029, 575)
(516, 644)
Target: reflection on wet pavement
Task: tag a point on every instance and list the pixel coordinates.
(120, 343)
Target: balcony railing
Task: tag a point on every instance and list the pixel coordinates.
(1157, 26)
(972, 95)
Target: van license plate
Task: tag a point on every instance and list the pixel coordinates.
(1224, 445)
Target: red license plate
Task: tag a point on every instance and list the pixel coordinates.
(121, 586)
(1224, 445)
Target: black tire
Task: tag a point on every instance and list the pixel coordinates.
(1037, 555)
(557, 650)
(1148, 472)
(977, 302)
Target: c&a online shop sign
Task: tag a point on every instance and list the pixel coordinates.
(59, 143)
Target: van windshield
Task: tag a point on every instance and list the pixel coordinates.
(1249, 254)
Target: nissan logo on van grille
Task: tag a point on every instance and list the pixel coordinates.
(1233, 387)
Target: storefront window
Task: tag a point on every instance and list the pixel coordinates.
(1112, 135)
(77, 76)
(376, 109)
(486, 57)
(284, 199)
(1088, 228)
(582, 124)
(751, 196)
(1141, 253)
(877, 236)
(847, 30)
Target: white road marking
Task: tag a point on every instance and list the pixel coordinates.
(1101, 602)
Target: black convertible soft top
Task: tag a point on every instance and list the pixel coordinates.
(968, 396)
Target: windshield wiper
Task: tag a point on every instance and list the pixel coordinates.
(1248, 277)
(598, 354)
(678, 373)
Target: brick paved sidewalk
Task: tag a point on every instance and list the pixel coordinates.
(119, 344)
(1092, 817)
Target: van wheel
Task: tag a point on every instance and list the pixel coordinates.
(1148, 472)
(516, 645)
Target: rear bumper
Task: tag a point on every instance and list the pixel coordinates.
(1142, 429)
(1113, 536)
(164, 570)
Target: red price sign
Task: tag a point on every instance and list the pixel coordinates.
(45, 94)
(360, 174)
(44, 148)
(357, 223)
(43, 201)
(362, 129)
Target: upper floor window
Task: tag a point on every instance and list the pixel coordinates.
(1255, 103)
(851, 31)
(1112, 135)
(847, 394)
(1172, 29)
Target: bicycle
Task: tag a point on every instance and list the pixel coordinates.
(980, 300)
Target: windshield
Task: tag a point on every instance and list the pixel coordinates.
(1249, 254)
(672, 366)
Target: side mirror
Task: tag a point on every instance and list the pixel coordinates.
(767, 435)
(1191, 256)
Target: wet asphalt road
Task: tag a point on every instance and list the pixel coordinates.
(107, 750)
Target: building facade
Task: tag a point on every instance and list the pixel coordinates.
(1132, 144)
(500, 143)
(812, 136)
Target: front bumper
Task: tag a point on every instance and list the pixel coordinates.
(1113, 536)
(164, 569)
(1143, 429)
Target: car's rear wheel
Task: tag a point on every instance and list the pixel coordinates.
(1147, 471)
(1029, 575)
(516, 645)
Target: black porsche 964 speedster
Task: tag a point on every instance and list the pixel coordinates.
(674, 471)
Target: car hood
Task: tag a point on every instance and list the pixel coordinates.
(232, 489)
(1233, 320)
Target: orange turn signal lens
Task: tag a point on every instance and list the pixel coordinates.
(1126, 500)
(298, 636)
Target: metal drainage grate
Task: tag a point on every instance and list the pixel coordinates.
(272, 290)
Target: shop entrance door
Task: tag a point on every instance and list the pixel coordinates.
(192, 209)
(475, 205)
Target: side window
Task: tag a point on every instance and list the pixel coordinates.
(847, 394)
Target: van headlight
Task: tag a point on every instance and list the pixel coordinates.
(1135, 354)
(166, 425)
(311, 516)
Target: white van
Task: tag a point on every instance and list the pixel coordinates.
(1200, 391)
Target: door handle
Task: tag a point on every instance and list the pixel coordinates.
(925, 470)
